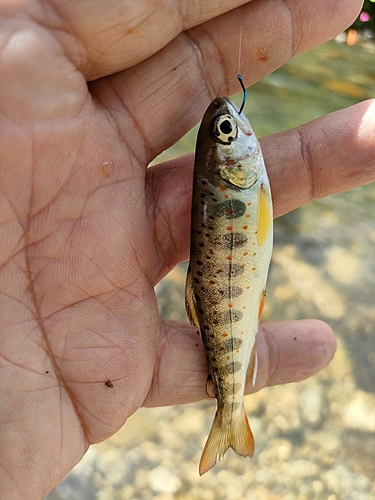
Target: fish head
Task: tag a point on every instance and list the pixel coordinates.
(227, 148)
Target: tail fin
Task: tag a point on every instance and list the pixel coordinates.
(236, 435)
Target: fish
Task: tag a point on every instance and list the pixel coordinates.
(230, 253)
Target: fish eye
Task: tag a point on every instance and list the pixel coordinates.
(225, 129)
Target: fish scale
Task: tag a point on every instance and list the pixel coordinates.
(231, 246)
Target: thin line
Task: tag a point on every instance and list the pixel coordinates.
(240, 48)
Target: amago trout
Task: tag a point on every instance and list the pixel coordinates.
(231, 246)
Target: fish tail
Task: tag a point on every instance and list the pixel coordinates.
(236, 435)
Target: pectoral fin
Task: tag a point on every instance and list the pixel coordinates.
(264, 214)
(190, 303)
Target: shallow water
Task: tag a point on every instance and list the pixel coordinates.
(315, 439)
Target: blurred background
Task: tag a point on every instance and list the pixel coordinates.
(315, 439)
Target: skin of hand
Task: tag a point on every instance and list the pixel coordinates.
(90, 93)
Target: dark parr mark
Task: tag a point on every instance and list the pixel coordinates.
(234, 406)
(234, 388)
(230, 240)
(229, 292)
(230, 344)
(230, 368)
(230, 209)
(232, 270)
(227, 317)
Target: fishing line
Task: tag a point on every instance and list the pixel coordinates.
(240, 49)
(239, 76)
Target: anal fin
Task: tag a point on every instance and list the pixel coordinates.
(210, 386)
(253, 367)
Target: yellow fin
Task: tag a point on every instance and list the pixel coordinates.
(264, 215)
(253, 367)
(236, 435)
(261, 304)
(190, 304)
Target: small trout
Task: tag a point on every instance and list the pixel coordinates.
(231, 246)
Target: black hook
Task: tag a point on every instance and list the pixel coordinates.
(244, 93)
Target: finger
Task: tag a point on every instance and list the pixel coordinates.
(113, 35)
(328, 155)
(292, 351)
(287, 351)
(167, 94)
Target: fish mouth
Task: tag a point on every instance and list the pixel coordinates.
(221, 106)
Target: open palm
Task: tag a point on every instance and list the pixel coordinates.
(86, 230)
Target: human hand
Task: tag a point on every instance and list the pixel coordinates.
(87, 230)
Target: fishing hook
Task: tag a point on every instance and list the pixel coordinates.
(244, 93)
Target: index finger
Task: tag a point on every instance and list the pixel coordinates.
(107, 37)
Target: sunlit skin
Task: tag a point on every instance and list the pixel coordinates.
(86, 231)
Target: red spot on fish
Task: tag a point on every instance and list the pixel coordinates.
(245, 227)
(249, 204)
(229, 257)
(225, 334)
(254, 254)
(243, 307)
(229, 228)
(226, 196)
(229, 212)
(245, 253)
(228, 357)
(212, 282)
(230, 305)
(247, 216)
(253, 268)
(248, 287)
(223, 188)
